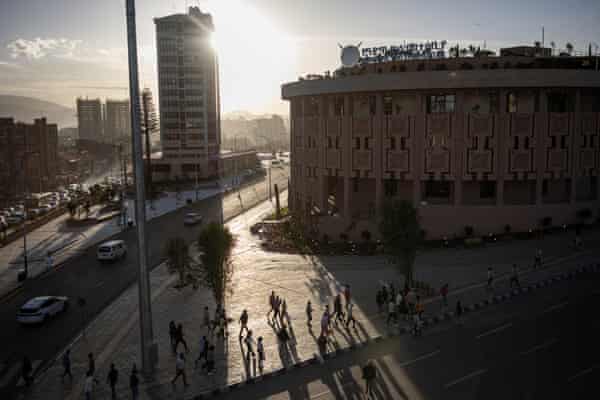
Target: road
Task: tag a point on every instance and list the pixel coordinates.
(83, 276)
(538, 346)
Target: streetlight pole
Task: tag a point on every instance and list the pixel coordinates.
(148, 346)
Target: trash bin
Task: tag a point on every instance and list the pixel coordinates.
(21, 275)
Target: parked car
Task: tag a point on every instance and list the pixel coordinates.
(112, 250)
(39, 309)
(14, 220)
(46, 208)
(192, 219)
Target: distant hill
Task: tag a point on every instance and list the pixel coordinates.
(26, 109)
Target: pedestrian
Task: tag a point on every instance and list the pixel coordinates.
(179, 338)
(180, 370)
(249, 346)
(379, 300)
(490, 278)
(384, 295)
(537, 260)
(243, 322)
(206, 319)
(271, 304)
(337, 309)
(325, 324)
(369, 373)
(26, 370)
(459, 312)
(514, 277)
(309, 311)
(88, 386)
(172, 335)
(66, 362)
(419, 309)
(91, 364)
(260, 349)
(209, 365)
(392, 293)
(417, 324)
(203, 351)
(111, 379)
(350, 315)
(391, 312)
(284, 312)
(347, 298)
(49, 261)
(399, 301)
(444, 294)
(134, 383)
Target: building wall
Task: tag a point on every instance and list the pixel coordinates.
(90, 121)
(118, 121)
(540, 163)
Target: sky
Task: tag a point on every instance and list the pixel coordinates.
(57, 50)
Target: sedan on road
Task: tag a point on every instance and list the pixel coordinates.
(39, 309)
(192, 219)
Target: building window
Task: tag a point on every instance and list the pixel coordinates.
(391, 187)
(337, 142)
(438, 189)
(494, 100)
(563, 142)
(559, 103)
(545, 187)
(367, 144)
(372, 105)
(440, 103)
(516, 143)
(338, 106)
(329, 143)
(511, 102)
(393, 143)
(387, 105)
(357, 143)
(487, 190)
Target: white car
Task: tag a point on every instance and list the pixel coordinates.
(112, 250)
(39, 309)
(192, 219)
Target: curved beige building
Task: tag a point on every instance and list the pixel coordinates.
(483, 142)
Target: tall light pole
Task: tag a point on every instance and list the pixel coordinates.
(148, 346)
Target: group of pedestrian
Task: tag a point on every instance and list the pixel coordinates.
(249, 341)
(278, 311)
(91, 382)
(342, 312)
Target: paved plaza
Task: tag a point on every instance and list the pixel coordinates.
(114, 337)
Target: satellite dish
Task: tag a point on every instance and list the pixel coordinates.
(350, 56)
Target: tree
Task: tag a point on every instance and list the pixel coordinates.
(215, 242)
(401, 232)
(180, 262)
(553, 45)
(569, 47)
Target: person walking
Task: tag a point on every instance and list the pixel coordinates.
(391, 312)
(179, 338)
(134, 383)
(91, 364)
(209, 365)
(111, 379)
(444, 294)
(369, 374)
(490, 278)
(325, 324)
(180, 370)
(337, 309)
(537, 260)
(172, 335)
(66, 363)
(309, 311)
(379, 300)
(203, 351)
(249, 346)
(350, 315)
(271, 304)
(243, 322)
(419, 309)
(459, 312)
(260, 349)
(514, 277)
(88, 385)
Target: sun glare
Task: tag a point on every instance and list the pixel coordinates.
(255, 56)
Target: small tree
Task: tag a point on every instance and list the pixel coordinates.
(569, 47)
(401, 232)
(180, 262)
(215, 242)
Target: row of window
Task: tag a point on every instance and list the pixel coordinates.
(181, 93)
(438, 103)
(176, 104)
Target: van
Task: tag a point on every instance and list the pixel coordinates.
(112, 250)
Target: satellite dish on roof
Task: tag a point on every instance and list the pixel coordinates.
(350, 55)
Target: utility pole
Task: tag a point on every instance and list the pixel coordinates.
(25, 261)
(148, 346)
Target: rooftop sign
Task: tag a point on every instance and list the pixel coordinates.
(407, 51)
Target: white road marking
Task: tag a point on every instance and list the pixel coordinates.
(541, 346)
(581, 373)
(491, 332)
(423, 357)
(464, 378)
(555, 307)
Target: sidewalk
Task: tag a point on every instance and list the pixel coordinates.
(113, 336)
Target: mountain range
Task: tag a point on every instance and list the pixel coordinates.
(26, 109)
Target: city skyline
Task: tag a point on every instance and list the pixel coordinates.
(73, 51)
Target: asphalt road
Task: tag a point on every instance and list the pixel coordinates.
(83, 276)
(537, 346)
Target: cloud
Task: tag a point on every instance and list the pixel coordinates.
(40, 48)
